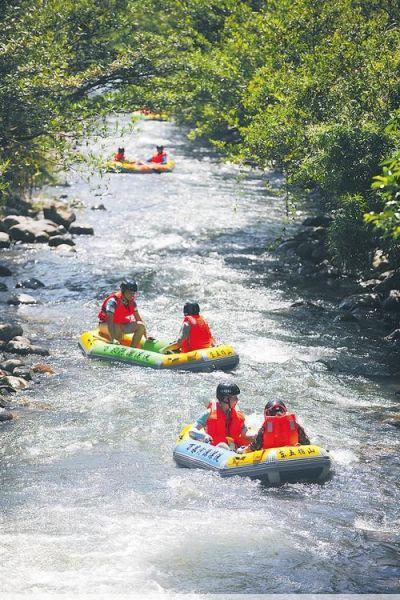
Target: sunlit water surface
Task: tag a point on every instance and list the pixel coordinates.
(91, 499)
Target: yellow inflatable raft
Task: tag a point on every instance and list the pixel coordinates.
(143, 169)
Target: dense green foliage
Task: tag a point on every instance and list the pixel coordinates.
(306, 86)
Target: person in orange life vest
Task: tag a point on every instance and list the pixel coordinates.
(120, 155)
(222, 424)
(280, 428)
(119, 315)
(160, 157)
(195, 332)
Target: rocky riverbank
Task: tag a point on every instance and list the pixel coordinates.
(374, 297)
(43, 221)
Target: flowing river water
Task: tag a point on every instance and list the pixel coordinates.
(91, 500)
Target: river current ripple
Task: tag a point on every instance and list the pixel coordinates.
(90, 497)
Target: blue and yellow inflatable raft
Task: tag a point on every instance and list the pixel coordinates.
(288, 464)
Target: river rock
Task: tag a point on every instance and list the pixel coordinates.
(22, 299)
(360, 301)
(317, 221)
(81, 230)
(3, 287)
(8, 331)
(4, 240)
(379, 259)
(392, 302)
(16, 383)
(317, 233)
(65, 249)
(369, 284)
(34, 349)
(34, 231)
(43, 369)
(23, 372)
(58, 240)
(32, 284)
(98, 207)
(10, 221)
(5, 415)
(11, 364)
(59, 213)
(19, 345)
(390, 280)
(5, 271)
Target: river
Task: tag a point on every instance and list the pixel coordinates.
(91, 500)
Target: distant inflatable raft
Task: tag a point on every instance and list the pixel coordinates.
(132, 167)
(209, 359)
(288, 464)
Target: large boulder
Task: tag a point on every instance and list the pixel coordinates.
(3, 287)
(81, 230)
(23, 372)
(22, 299)
(4, 240)
(59, 213)
(43, 369)
(35, 231)
(98, 207)
(9, 331)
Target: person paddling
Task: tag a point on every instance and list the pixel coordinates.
(119, 315)
(120, 155)
(160, 157)
(195, 333)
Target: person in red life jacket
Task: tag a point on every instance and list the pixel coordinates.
(280, 428)
(195, 333)
(160, 157)
(222, 424)
(120, 155)
(119, 315)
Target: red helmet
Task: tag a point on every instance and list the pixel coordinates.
(275, 407)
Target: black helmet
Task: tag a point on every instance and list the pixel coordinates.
(160, 147)
(227, 389)
(129, 285)
(191, 308)
(273, 407)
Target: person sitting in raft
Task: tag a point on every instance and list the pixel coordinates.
(120, 155)
(223, 424)
(119, 315)
(160, 157)
(280, 428)
(195, 333)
